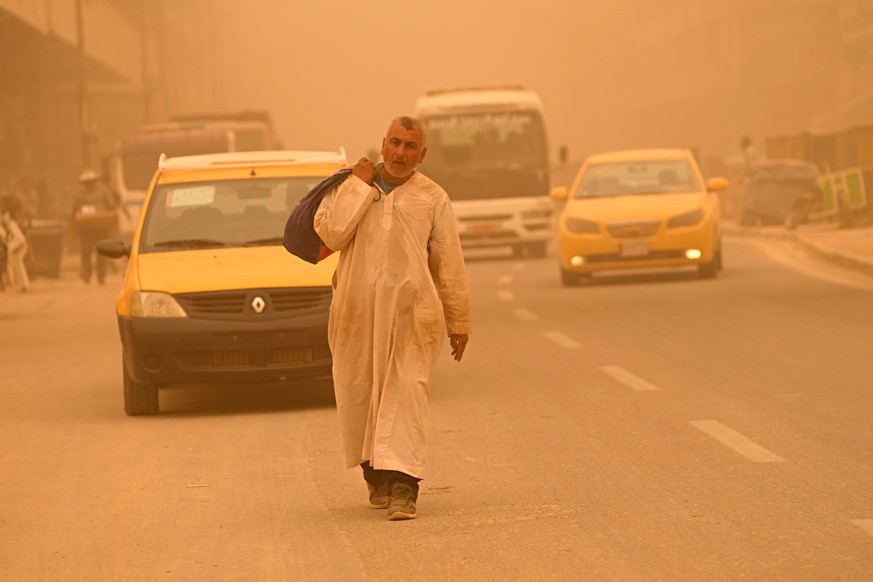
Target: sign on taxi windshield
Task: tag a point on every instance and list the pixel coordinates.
(190, 196)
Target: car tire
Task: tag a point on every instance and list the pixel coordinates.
(710, 270)
(140, 398)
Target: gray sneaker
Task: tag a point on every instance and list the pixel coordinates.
(402, 503)
(378, 495)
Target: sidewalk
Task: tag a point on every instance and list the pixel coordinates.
(847, 247)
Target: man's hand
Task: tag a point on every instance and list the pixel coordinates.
(458, 342)
(365, 170)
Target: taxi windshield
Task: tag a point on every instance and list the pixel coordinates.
(637, 177)
(224, 213)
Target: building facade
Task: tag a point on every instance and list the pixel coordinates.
(76, 75)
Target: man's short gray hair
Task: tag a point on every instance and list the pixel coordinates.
(410, 123)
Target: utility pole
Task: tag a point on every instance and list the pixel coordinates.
(82, 87)
(144, 63)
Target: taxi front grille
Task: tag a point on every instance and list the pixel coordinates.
(248, 359)
(302, 298)
(212, 303)
(241, 303)
(633, 228)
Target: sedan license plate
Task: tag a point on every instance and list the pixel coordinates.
(636, 248)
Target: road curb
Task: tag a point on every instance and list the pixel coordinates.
(817, 249)
(834, 256)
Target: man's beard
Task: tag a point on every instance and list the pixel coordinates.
(406, 173)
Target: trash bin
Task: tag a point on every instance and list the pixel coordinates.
(46, 247)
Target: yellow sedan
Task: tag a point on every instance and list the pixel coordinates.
(639, 209)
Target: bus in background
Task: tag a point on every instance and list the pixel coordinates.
(486, 147)
(135, 160)
(254, 129)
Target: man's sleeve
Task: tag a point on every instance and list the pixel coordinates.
(446, 264)
(340, 212)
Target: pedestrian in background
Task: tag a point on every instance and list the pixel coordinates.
(15, 242)
(95, 216)
(751, 158)
(400, 287)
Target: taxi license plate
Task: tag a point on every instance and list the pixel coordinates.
(637, 248)
(484, 228)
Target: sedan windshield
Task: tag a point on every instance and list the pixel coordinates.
(226, 213)
(638, 177)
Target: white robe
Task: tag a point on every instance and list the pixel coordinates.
(394, 305)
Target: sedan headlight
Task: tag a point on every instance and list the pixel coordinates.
(687, 219)
(581, 226)
(155, 304)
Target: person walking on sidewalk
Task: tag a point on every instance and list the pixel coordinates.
(95, 216)
(15, 243)
(400, 285)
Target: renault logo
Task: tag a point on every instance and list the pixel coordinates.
(258, 304)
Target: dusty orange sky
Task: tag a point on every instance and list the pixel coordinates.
(334, 72)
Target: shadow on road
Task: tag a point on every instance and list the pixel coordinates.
(234, 399)
(640, 277)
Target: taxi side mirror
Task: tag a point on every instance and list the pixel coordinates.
(716, 184)
(558, 193)
(114, 249)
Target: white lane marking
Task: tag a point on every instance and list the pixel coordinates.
(562, 340)
(865, 524)
(518, 266)
(734, 440)
(524, 314)
(505, 296)
(505, 280)
(628, 379)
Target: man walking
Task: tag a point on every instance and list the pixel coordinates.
(95, 216)
(400, 286)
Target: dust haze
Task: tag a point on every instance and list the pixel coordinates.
(611, 75)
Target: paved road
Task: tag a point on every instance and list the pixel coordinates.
(640, 428)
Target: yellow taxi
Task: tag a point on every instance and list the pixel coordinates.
(639, 209)
(209, 293)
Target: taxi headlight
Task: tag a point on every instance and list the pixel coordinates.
(155, 304)
(687, 219)
(581, 226)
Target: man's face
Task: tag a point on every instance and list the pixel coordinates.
(402, 151)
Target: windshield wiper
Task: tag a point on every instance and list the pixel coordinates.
(273, 240)
(190, 242)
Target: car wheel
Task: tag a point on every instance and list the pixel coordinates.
(139, 397)
(710, 269)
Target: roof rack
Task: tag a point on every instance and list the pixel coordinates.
(498, 87)
(249, 159)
